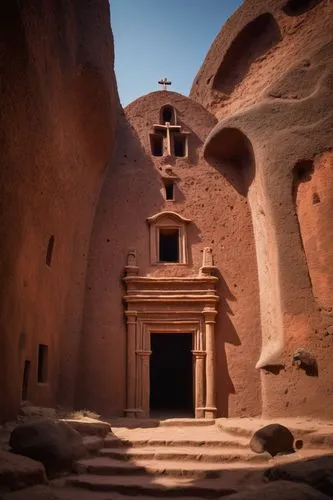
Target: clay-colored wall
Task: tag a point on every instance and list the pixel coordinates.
(314, 205)
(281, 106)
(59, 106)
(254, 48)
(132, 192)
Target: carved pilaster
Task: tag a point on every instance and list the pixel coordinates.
(210, 408)
(199, 367)
(130, 411)
(144, 356)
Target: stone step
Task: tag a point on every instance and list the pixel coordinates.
(192, 454)
(187, 422)
(151, 486)
(221, 441)
(190, 469)
(93, 443)
(134, 423)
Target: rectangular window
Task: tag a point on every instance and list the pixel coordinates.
(49, 252)
(169, 191)
(156, 144)
(168, 245)
(42, 369)
(25, 382)
(179, 145)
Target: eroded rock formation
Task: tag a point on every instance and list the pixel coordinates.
(279, 105)
(59, 107)
(240, 171)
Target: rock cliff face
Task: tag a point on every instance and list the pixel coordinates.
(59, 107)
(274, 140)
(257, 182)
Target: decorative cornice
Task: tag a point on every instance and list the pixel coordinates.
(173, 215)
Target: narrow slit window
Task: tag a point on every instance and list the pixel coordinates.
(42, 370)
(156, 144)
(49, 252)
(179, 145)
(167, 114)
(25, 382)
(170, 191)
(169, 245)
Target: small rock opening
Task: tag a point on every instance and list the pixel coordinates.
(302, 172)
(169, 191)
(298, 7)
(42, 367)
(49, 252)
(25, 380)
(315, 198)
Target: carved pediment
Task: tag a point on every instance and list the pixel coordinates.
(168, 218)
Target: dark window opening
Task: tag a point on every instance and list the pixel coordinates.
(169, 245)
(167, 115)
(43, 354)
(156, 144)
(315, 198)
(49, 253)
(169, 191)
(25, 382)
(179, 145)
(171, 387)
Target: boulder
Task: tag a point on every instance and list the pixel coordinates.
(285, 490)
(89, 426)
(316, 472)
(54, 443)
(274, 438)
(36, 493)
(19, 472)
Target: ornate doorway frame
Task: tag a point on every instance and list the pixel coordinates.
(174, 305)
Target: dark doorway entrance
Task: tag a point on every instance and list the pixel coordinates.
(171, 374)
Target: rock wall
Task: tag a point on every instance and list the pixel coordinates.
(59, 108)
(275, 133)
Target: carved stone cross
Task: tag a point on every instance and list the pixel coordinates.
(164, 82)
(168, 129)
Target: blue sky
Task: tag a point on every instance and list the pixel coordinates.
(163, 38)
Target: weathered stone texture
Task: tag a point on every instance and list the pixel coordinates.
(274, 139)
(54, 443)
(59, 107)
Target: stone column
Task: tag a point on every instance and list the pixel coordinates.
(210, 408)
(130, 411)
(145, 356)
(199, 363)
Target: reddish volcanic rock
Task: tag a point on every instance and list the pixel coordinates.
(59, 107)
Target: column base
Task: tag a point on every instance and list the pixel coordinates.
(133, 412)
(199, 413)
(210, 412)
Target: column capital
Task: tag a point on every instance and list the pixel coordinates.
(209, 314)
(131, 316)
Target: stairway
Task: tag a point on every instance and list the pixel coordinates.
(172, 458)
